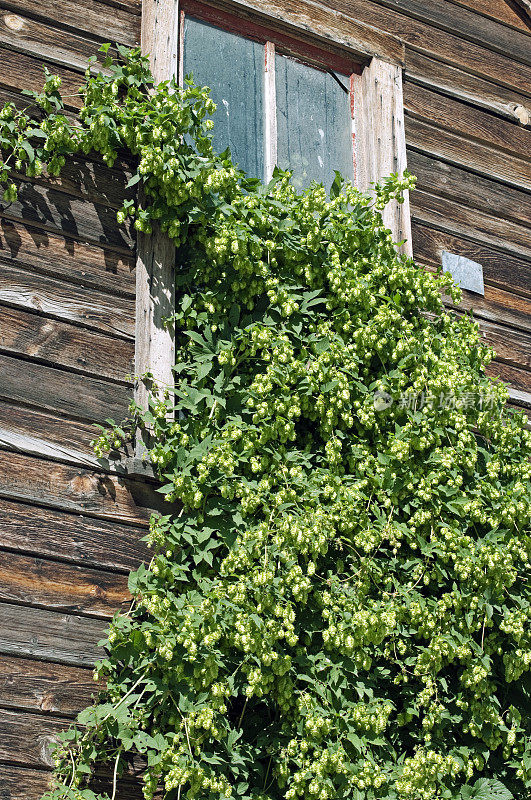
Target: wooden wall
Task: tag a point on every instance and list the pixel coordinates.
(70, 532)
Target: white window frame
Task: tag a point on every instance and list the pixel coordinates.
(378, 134)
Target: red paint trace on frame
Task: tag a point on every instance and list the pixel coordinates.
(284, 43)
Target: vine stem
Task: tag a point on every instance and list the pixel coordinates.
(243, 712)
(115, 774)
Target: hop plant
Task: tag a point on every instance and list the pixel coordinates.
(339, 605)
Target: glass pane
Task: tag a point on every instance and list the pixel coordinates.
(313, 122)
(233, 67)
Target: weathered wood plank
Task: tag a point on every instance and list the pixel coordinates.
(49, 635)
(27, 740)
(29, 36)
(472, 123)
(519, 379)
(502, 234)
(451, 147)
(71, 537)
(499, 269)
(104, 22)
(466, 24)
(470, 88)
(20, 71)
(47, 208)
(379, 139)
(57, 586)
(500, 11)
(467, 188)
(73, 303)
(78, 490)
(47, 688)
(62, 344)
(449, 48)
(73, 262)
(512, 347)
(23, 783)
(65, 434)
(501, 307)
(77, 396)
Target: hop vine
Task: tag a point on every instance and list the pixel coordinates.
(339, 605)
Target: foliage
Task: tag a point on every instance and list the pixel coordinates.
(341, 606)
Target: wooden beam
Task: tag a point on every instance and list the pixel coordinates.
(379, 138)
(155, 280)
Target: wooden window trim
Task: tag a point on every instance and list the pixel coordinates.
(378, 132)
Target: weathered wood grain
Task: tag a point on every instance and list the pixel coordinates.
(23, 34)
(20, 71)
(62, 344)
(72, 303)
(48, 635)
(471, 123)
(451, 147)
(27, 740)
(73, 538)
(74, 262)
(503, 234)
(500, 306)
(446, 47)
(518, 379)
(82, 491)
(47, 688)
(379, 139)
(78, 396)
(499, 269)
(464, 86)
(23, 783)
(47, 208)
(512, 347)
(501, 11)
(467, 188)
(467, 25)
(66, 434)
(99, 20)
(57, 586)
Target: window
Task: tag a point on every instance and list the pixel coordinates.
(278, 102)
(295, 84)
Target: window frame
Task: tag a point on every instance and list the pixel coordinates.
(377, 112)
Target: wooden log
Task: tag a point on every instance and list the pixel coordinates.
(51, 636)
(485, 160)
(27, 685)
(466, 24)
(73, 538)
(64, 487)
(101, 21)
(446, 47)
(467, 188)
(46, 208)
(508, 237)
(57, 586)
(62, 344)
(460, 84)
(471, 123)
(77, 396)
(68, 302)
(75, 262)
(499, 269)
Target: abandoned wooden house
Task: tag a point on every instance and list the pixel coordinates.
(363, 86)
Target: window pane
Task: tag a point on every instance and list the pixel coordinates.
(233, 67)
(313, 122)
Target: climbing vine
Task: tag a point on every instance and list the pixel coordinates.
(339, 606)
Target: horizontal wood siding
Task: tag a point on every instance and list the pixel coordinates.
(71, 527)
